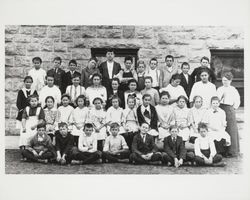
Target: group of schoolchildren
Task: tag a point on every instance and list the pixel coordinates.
(145, 115)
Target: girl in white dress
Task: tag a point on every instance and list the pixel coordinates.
(78, 118)
(181, 116)
(97, 116)
(65, 110)
(165, 117)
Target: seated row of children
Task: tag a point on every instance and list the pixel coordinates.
(144, 149)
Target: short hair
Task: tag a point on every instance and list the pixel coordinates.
(93, 58)
(65, 95)
(116, 97)
(175, 76)
(116, 79)
(58, 59)
(169, 56)
(228, 75)
(146, 95)
(202, 125)
(28, 77)
(128, 58)
(41, 125)
(33, 96)
(171, 127)
(197, 96)
(185, 63)
(182, 97)
(97, 98)
(215, 98)
(149, 78)
(114, 125)
(80, 97)
(153, 59)
(88, 125)
(163, 93)
(50, 75)
(96, 75)
(73, 61)
(141, 62)
(76, 75)
(132, 81)
(62, 124)
(50, 97)
(205, 58)
(37, 59)
(110, 50)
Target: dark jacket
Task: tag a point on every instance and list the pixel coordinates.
(187, 86)
(154, 117)
(64, 144)
(58, 77)
(174, 151)
(67, 80)
(141, 148)
(86, 76)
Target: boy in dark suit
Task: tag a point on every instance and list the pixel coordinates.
(174, 149)
(186, 80)
(144, 150)
(147, 114)
(67, 78)
(109, 69)
(57, 73)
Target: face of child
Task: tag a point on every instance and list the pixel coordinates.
(146, 101)
(185, 69)
(128, 64)
(204, 77)
(88, 131)
(144, 128)
(115, 85)
(63, 131)
(164, 100)
(132, 86)
(98, 104)
(181, 103)
(72, 67)
(175, 82)
(169, 62)
(65, 101)
(204, 63)
(110, 56)
(50, 103)
(92, 64)
(80, 102)
(37, 64)
(198, 102)
(226, 82)
(215, 104)
(50, 81)
(76, 81)
(131, 103)
(41, 131)
(28, 82)
(174, 132)
(33, 102)
(114, 131)
(115, 103)
(153, 64)
(141, 68)
(148, 83)
(57, 63)
(96, 80)
(203, 132)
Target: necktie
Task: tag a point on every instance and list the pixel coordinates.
(75, 93)
(146, 114)
(144, 138)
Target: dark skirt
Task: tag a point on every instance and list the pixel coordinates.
(232, 129)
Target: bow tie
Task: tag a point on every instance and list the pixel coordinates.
(215, 111)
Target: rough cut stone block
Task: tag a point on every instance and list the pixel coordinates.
(9, 37)
(109, 33)
(40, 32)
(45, 56)
(26, 30)
(77, 33)
(54, 32)
(89, 32)
(81, 54)
(67, 36)
(22, 38)
(10, 126)
(33, 47)
(13, 84)
(47, 45)
(60, 47)
(144, 32)
(73, 27)
(10, 97)
(64, 56)
(12, 29)
(12, 49)
(128, 31)
(14, 72)
(9, 61)
(81, 43)
(225, 44)
(22, 61)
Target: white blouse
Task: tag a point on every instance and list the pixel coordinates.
(229, 96)
(65, 113)
(174, 92)
(93, 92)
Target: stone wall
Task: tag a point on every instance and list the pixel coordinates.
(185, 43)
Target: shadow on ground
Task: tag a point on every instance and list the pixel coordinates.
(13, 165)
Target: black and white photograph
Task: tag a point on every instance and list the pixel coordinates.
(119, 98)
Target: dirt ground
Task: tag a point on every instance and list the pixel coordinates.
(13, 165)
